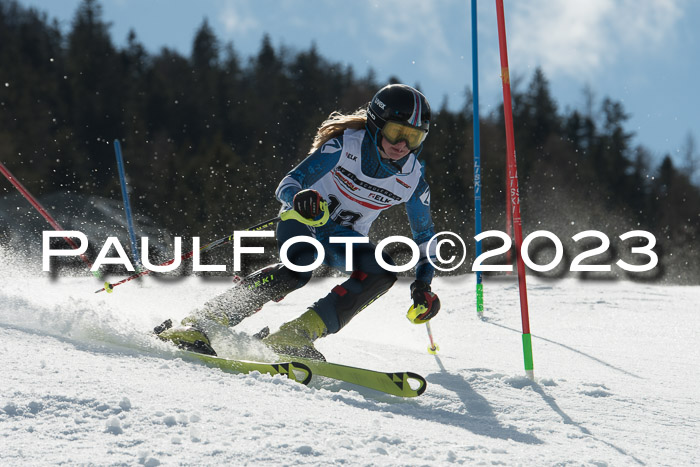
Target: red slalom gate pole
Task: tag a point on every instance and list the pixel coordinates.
(513, 191)
(40, 209)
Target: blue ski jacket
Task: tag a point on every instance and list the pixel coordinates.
(326, 158)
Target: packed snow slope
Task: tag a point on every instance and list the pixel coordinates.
(616, 367)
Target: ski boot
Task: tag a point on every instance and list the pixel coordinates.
(186, 337)
(296, 338)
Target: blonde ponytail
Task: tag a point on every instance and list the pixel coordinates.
(336, 124)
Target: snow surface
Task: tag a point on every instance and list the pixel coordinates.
(616, 366)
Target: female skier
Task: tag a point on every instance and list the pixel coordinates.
(359, 164)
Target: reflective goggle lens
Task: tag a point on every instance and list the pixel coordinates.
(395, 132)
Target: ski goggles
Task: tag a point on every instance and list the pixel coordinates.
(395, 132)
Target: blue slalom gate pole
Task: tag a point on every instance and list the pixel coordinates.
(127, 206)
(477, 159)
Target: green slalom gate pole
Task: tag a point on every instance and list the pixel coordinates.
(286, 215)
(513, 190)
(477, 160)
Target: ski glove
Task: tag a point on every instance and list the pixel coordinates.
(426, 304)
(308, 203)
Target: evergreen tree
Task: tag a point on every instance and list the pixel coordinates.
(207, 137)
(94, 97)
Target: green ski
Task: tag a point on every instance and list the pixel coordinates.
(296, 371)
(396, 384)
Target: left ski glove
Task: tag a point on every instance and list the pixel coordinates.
(426, 303)
(308, 203)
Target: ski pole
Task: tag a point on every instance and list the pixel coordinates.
(433, 349)
(286, 215)
(44, 213)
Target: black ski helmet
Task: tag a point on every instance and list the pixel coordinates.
(398, 103)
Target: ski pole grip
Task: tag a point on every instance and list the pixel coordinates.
(292, 214)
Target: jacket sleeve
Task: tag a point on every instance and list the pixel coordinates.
(309, 171)
(423, 229)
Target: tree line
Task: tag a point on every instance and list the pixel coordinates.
(208, 136)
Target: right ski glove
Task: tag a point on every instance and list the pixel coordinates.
(308, 203)
(426, 303)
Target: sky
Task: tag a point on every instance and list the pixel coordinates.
(644, 54)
